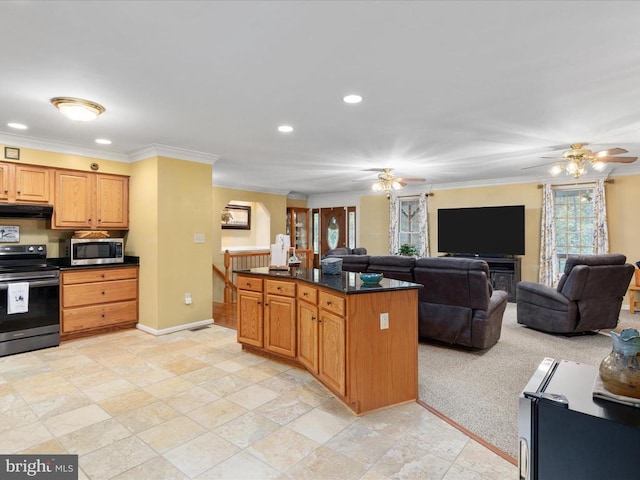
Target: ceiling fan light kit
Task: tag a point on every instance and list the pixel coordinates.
(574, 161)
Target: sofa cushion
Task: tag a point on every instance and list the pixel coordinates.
(355, 263)
(393, 266)
(334, 252)
(591, 260)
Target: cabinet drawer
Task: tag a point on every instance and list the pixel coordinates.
(250, 283)
(308, 294)
(85, 318)
(332, 303)
(98, 275)
(99, 292)
(288, 289)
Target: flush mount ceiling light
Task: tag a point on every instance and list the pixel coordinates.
(285, 128)
(103, 141)
(77, 109)
(17, 126)
(353, 98)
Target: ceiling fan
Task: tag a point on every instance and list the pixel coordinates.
(575, 160)
(387, 181)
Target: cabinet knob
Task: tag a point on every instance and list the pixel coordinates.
(248, 284)
(314, 319)
(329, 302)
(305, 294)
(103, 293)
(6, 191)
(278, 288)
(19, 192)
(89, 220)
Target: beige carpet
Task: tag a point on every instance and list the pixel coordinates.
(480, 390)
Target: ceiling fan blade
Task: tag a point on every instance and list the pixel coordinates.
(412, 179)
(611, 151)
(616, 159)
(542, 164)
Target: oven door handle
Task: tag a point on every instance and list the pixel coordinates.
(35, 283)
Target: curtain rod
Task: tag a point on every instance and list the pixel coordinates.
(608, 180)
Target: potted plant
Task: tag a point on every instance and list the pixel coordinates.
(408, 250)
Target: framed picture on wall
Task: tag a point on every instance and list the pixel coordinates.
(236, 217)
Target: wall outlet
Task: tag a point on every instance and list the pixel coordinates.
(384, 321)
(187, 299)
(198, 238)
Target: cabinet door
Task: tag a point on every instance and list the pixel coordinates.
(73, 200)
(112, 202)
(5, 181)
(280, 325)
(33, 184)
(308, 335)
(250, 318)
(332, 351)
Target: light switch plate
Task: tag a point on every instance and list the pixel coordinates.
(384, 321)
(198, 238)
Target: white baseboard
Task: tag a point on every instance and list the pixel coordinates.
(165, 331)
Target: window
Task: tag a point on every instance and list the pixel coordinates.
(409, 221)
(574, 222)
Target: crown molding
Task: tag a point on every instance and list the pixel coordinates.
(249, 188)
(158, 150)
(14, 140)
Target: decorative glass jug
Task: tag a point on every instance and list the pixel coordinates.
(620, 370)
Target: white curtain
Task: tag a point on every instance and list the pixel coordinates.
(394, 224)
(600, 230)
(548, 269)
(424, 226)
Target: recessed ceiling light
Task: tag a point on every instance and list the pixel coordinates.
(18, 126)
(353, 98)
(103, 141)
(285, 128)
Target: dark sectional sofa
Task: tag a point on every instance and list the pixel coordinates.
(456, 305)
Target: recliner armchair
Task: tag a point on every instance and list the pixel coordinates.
(588, 297)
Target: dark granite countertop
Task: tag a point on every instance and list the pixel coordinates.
(346, 282)
(63, 263)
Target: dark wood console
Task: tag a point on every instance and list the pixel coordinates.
(504, 274)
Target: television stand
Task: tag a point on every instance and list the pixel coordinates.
(504, 274)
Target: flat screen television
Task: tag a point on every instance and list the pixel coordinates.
(481, 231)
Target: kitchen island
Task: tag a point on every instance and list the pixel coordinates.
(360, 341)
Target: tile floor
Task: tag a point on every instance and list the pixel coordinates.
(193, 405)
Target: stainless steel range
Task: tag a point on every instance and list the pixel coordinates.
(29, 299)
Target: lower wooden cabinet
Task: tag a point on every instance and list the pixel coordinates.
(97, 299)
(331, 351)
(308, 327)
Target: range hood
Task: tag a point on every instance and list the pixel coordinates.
(14, 210)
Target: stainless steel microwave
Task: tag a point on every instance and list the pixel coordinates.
(93, 251)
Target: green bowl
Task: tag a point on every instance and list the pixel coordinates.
(370, 278)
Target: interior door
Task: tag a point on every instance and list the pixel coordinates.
(333, 228)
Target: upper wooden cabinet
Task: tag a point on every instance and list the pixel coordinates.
(25, 184)
(90, 201)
